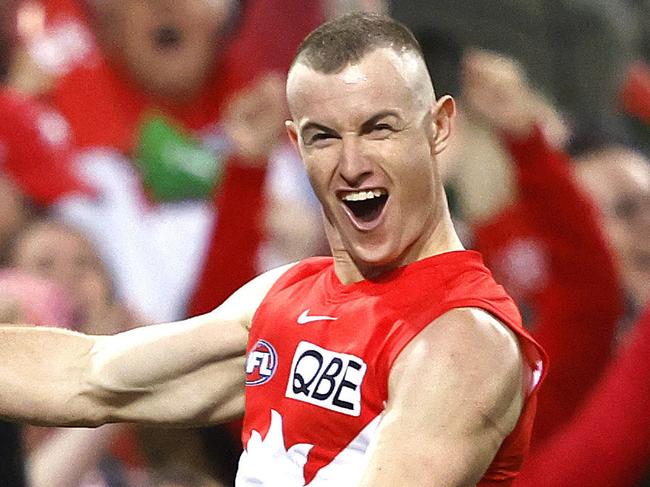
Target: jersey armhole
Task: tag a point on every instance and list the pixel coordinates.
(293, 273)
(402, 334)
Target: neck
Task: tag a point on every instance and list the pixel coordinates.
(443, 238)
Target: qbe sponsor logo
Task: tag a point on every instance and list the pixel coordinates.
(327, 379)
(261, 363)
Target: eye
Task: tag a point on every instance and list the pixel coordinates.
(382, 126)
(319, 137)
(381, 130)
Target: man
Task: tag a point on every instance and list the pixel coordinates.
(611, 420)
(617, 177)
(397, 362)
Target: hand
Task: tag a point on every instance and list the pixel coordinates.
(254, 119)
(495, 90)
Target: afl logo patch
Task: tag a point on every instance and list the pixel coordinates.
(261, 363)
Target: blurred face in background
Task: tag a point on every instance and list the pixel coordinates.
(58, 253)
(618, 180)
(168, 46)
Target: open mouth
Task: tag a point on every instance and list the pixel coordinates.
(366, 206)
(167, 37)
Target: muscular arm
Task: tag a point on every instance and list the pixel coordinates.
(189, 372)
(455, 392)
(575, 298)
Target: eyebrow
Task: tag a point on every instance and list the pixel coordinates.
(315, 126)
(368, 124)
(365, 126)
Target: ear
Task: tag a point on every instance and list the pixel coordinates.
(292, 132)
(444, 110)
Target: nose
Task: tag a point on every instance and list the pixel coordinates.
(354, 165)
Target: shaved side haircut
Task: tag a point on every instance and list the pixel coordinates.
(346, 39)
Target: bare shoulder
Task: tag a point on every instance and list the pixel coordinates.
(469, 359)
(469, 335)
(455, 391)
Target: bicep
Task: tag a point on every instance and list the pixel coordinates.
(455, 392)
(182, 373)
(210, 394)
(188, 372)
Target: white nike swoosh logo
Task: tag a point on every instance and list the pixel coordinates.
(304, 318)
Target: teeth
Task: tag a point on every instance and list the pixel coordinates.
(363, 195)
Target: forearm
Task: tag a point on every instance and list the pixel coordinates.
(562, 215)
(237, 235)
(579, 306)
(42, 378)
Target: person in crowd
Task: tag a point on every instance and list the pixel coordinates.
(175, 112)
(146, 88)
(61, 254)
(53, 250)
(56, 279)
(27, 146)
(569, 243)
(607, 440)
(617, 177)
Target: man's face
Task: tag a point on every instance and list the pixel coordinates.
(367, 136)
(169, 46)
(619, 182)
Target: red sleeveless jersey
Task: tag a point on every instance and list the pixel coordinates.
(319, 358)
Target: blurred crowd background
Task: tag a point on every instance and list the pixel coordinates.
(145, 175)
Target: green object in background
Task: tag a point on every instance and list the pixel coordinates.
(175, 166)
